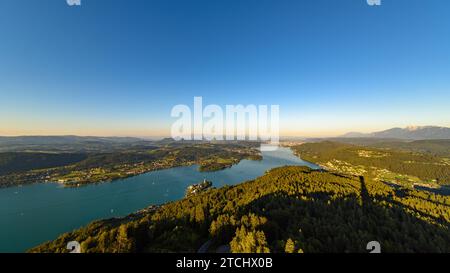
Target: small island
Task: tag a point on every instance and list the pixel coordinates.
(198, 188)
(72, 166)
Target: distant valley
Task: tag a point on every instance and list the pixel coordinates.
(75, 161)
(400, 183)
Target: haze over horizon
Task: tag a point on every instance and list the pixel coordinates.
(117, 69)
(157, 137)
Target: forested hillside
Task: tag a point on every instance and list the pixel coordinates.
(76, 169)
(386, 164)
(18, 162)
(435, 147)
(289, 209)
(438, 147)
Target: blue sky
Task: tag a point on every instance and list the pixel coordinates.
(117, 67)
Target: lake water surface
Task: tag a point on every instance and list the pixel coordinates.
(33, 214)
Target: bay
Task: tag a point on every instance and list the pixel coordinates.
(31, 215)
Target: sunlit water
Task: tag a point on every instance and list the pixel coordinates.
(31, 215)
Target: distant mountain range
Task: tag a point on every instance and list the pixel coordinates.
(67, 143)
(39, 140)
(412, 132)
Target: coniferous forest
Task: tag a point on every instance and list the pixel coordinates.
(289, 209)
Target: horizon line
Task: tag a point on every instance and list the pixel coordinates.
(163, 136)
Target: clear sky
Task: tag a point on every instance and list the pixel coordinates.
(117, 67)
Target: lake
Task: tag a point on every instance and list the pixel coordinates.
(30, 215)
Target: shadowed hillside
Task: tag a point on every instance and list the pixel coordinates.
(290, 209)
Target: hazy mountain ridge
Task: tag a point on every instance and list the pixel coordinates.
(68, 139)
(411, 133)
(68, 143)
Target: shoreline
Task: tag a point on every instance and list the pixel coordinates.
(77, 184)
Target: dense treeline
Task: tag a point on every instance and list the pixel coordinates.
(421, 165)
(435, 147)
(289, 209)
(17, 162)
(439, 147)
